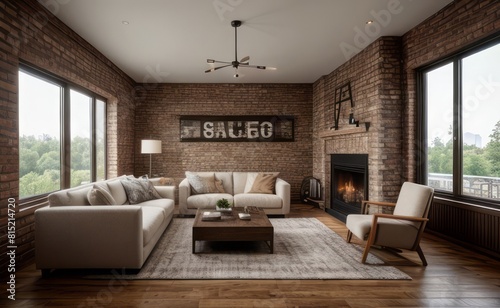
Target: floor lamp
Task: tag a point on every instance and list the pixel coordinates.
(149, 146)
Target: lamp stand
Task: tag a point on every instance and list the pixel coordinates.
(150, 157)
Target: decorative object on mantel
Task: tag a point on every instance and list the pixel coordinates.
(149, 146)
(328, 133)
(344, 94)
(272, 128)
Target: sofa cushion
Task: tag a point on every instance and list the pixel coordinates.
(117, 190)
(73, 196)
(206, 200)
(239, 182)
(219, 185)
(360, 226)
(167, 205)
(264, 183)
(99, 194)
(139, 190)
(152, 219)
(251, 176)
(266, 201)
(202, 182)
(227, 181)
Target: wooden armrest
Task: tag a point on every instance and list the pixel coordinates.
(399, 217)
(364, 203)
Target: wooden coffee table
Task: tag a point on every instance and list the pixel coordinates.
(232, 228)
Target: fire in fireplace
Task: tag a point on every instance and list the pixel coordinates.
(349, 184)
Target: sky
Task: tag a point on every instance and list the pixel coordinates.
(39, 109)
(480, 96)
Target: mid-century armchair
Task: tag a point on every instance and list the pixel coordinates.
(402, 229)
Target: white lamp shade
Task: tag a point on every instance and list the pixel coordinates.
(150, 146)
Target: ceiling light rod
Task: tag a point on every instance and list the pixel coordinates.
(236, 24)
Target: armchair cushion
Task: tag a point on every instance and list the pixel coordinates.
(410, 196)
(360, 225)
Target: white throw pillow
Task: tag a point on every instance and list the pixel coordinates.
(99, 194)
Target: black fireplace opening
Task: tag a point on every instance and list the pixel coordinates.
(349, 184)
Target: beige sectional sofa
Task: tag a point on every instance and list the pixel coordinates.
(236, 187)
(71, 233)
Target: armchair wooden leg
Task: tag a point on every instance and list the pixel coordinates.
(421, 255)
(369, 243)
(365, 253)
(349, 236)
(370, 240)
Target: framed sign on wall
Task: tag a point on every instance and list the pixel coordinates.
(273, 128)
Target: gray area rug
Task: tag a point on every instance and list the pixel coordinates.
(304, 248)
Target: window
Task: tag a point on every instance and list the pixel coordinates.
(39, 135)
(460, 117)
(62, 135)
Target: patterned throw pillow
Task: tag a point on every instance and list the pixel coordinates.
(99, 194)
(139, 190)
(264, 183)
(201, 184)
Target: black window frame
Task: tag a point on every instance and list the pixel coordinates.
(65, 133)
(457, 192)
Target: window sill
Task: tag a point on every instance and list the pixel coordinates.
(467, 201)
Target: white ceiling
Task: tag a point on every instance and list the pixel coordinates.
(170, 40)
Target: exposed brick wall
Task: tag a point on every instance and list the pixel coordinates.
(388, 101)
(455, 27)
(30, 34)
(374, 75)
(159, 108)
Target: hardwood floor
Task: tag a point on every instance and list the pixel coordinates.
(455, 277)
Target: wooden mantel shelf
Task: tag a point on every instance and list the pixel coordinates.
(363, 127)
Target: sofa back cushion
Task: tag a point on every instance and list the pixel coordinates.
(79, 195)
(209, 182)
(201, 182)
(227, 181)
(116, 189)
(240, 181)
(72, 196)
(243, 181)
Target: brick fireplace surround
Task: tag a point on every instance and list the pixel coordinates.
(381, 75)
(377, 94)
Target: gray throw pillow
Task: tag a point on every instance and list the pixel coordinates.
(139, 190)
